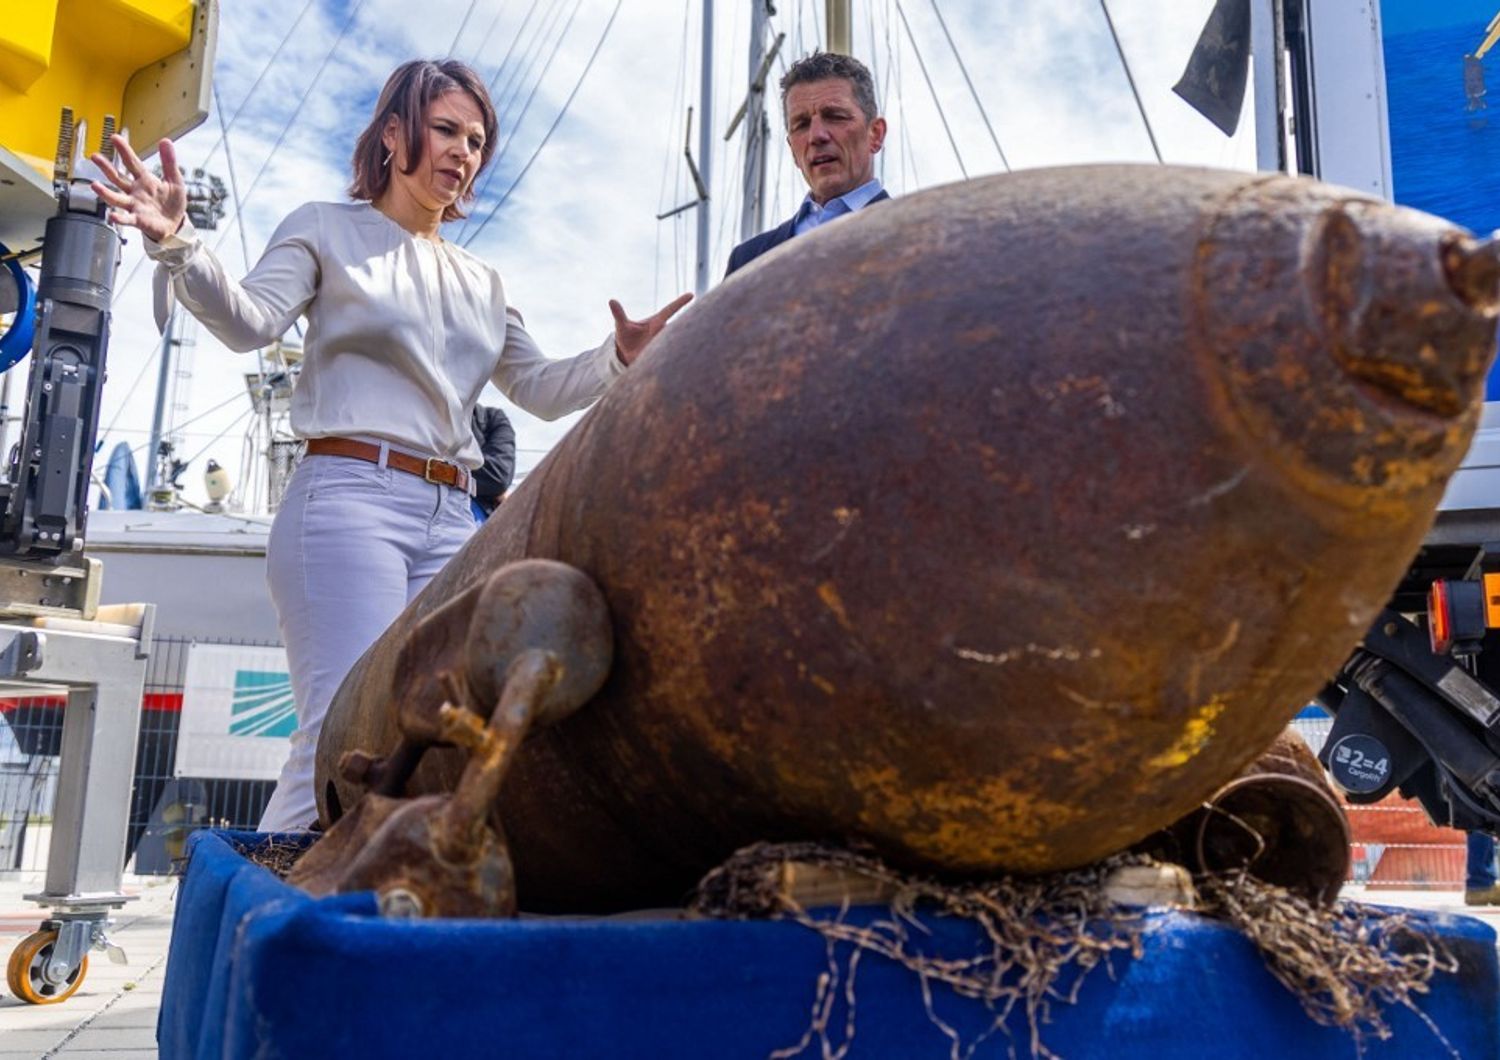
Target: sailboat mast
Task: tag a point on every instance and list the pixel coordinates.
(840, 27)
(159, 413)
(757, 127)
(705, 143)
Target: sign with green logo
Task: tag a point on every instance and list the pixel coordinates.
(262, 704)
(237, 712)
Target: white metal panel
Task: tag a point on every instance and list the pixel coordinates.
(26, 202)
(205, 573)
(1477, 483)
(1353, 127)
(1270, 135)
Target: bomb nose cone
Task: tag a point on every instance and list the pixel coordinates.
(1473, 270)
(1409, 306)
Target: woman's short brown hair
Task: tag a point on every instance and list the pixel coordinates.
(406, 96)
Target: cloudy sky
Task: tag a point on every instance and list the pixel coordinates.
(581, 226)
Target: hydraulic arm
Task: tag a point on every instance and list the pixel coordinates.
(44, 500)
(88, 61)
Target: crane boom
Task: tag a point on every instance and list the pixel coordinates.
(1491, 35)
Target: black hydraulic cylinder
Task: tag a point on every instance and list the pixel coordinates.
(46, 500)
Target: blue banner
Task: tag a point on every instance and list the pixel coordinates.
(1444, 116)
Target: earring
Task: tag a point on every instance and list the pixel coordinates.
(387, 159)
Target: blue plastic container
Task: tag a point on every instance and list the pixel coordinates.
(258, 969)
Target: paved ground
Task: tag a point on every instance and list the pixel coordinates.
(1440, 901)
(113, 1014)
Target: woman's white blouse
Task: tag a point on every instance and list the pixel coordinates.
(402, 332)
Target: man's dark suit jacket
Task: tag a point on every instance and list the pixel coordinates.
(497, 441)
(755, 246)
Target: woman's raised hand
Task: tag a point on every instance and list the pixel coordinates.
(631, 336)
(155, 205)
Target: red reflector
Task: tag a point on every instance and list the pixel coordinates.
(1439, 618)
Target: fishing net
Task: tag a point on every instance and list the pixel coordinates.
(276, 856)
(1346, 962)
(1043, 935)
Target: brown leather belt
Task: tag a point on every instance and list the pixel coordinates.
(431, 468)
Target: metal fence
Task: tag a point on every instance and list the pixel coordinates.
(164, 808)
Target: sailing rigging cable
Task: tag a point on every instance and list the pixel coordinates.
(234, 191)
(264, 70)
(819, 37)
(1104, 6)
(556, 122)
(908, 159)
(731, 198)
(671, 155)
(488, 33)
(943, 117)
(968, 81)
(520, 69)
(236, 396)
(234, 184)
(536, 86)
(239, 212)
(885, 89)
(518, 75)
(249, 95)
(215, 439)
(296, 113)
(136, 382)
(514, 40)
(505, 65)
(461, 27)
(730, 192)
(521, 75)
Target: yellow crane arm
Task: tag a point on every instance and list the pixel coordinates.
(147, 63)
(1491, 35)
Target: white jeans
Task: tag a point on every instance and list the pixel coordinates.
(352, 544)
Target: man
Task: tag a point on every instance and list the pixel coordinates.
(497, 441)
(1479, 874)
(834, 130)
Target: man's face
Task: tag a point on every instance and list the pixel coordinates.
(832, 142)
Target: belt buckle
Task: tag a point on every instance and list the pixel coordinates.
(427, 471)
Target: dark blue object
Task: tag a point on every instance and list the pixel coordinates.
(16, 342)
(1479, 870)
(121, 480)
(259, 969)
(1445, 155)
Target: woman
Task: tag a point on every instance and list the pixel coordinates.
(404, 329)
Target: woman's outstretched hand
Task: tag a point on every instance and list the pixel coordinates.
(155, 205)
(631, 336)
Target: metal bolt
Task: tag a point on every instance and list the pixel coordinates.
(400, 904)
(357, 768)
(1390, 629)
(57, 972)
